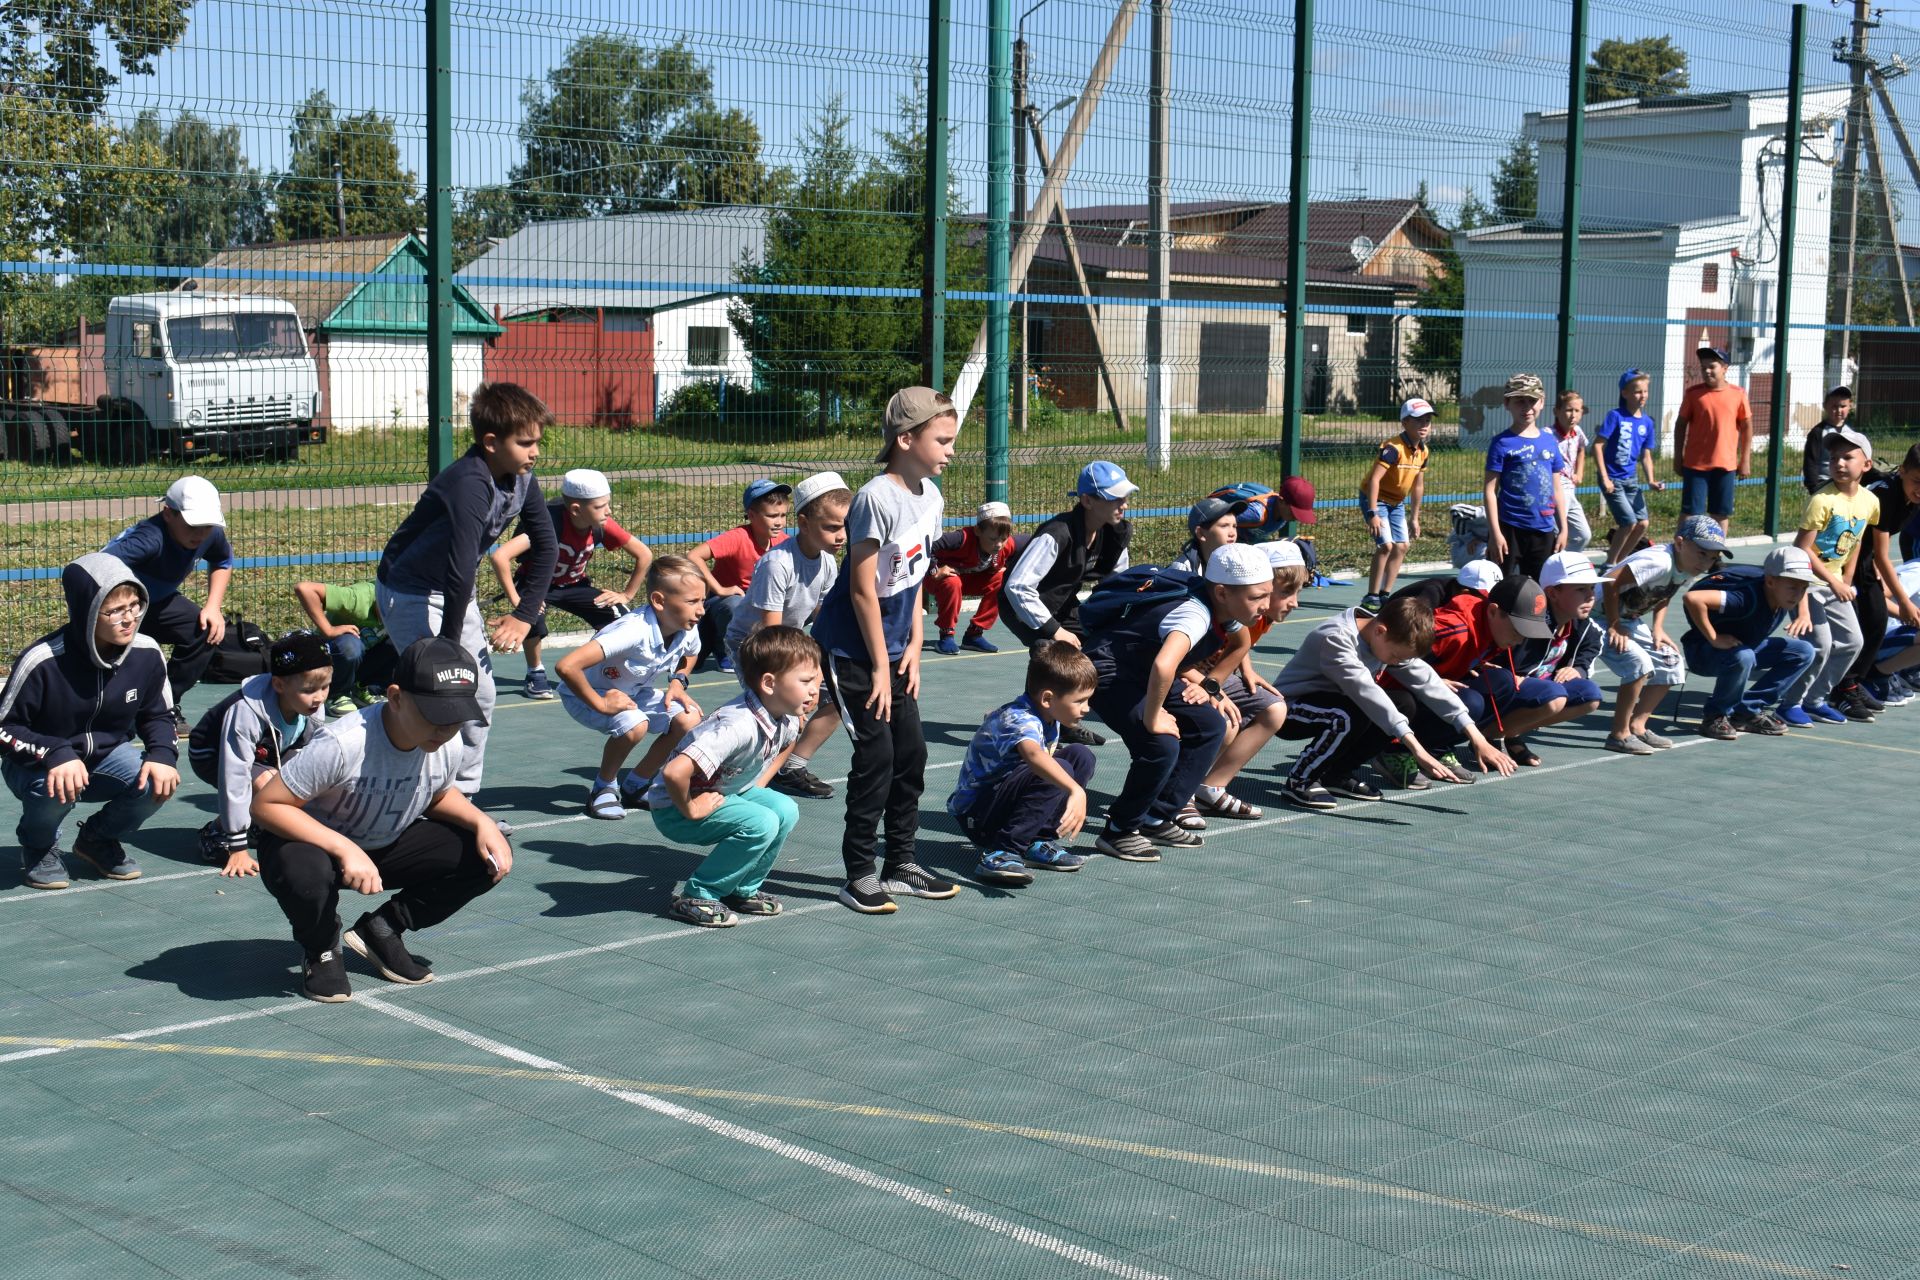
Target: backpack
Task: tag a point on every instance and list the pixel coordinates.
(1262, 514)
(241, 653)
(1144, 591)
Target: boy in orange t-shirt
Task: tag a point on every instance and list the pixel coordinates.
(1713, 439)
(726, 561)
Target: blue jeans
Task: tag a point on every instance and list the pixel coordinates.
(1023, 806)
(747, 833)
(348, 649)
(1706, 491)
(1781, 660)
(115, 780)
(1164, 772)
(1393, 523)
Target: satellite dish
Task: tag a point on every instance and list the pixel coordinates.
(1361, 248)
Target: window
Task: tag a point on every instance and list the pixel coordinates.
(146, 344)
(1709, 277)
(1357, 323)
(706, 347)
(247, 335)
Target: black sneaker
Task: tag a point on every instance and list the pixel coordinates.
(1172, 835)
(108, 857)
(1303, 796)
(1861, 695)
(181, 727)
(911, 880)
(1128, 846)
(1718, 728)
(1082, 735)
(800, 782)
(867, 897)
(1855, 710)
(378, 943)
(1756, 722)
(1353, 788)
(324, 977)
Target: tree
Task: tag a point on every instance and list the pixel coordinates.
(1650, 67)
(1516, 183)
(379, 195)
(219, 200)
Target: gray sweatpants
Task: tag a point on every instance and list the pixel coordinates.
(1836, 640)
(1579, 532)
(409, 618)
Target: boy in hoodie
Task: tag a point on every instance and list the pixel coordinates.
(69, 717)
(251, 732)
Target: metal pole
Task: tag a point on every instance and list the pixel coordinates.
(1857, 108)
(1570, 199)
(999, 219)
(1159, 241)
(1783, 297)
(1021, 110)
(1297, 199)
(933, 283)
(440, 453)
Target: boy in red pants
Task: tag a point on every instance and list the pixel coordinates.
(972, 562)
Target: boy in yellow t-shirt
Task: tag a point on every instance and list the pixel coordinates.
(1390, 498)
(1838, 517)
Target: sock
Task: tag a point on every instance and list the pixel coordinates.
(537, 667)
(1211, 794)
(794, 764)
(634, 782)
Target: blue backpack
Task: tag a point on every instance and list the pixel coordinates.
(1143, 593)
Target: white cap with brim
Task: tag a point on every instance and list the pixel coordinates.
(1239, 564)
(1568, 569)
(1789, 562)
(197, 501)
(1479, 575)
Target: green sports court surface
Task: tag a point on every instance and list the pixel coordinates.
(1613, 1018)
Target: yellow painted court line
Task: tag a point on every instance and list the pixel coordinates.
(1257, 1168)
(1801, 735)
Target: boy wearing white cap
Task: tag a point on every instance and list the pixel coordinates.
(971, 562)
(1634, 597)
(582, 524)
(161, 551)
(1734, 615)
(1567, 657)
(1390, 496)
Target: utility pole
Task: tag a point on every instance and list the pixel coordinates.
(1855, 58)
(933, 283)
(1022, 110)
(1159, 242)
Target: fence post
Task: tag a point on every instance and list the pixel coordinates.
(1159, 240)
(439, 237)
(1570, 199)
(933, 283)
(999, 242)
(1297, 198)
(1783, 300)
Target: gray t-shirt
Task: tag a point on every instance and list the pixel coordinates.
(905, 526)
(787, 583)
(357, 783)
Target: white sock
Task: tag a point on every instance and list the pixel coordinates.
(794, 763)
(1211, 794)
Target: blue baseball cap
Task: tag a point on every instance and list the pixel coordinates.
(1703, 532)
(1104, 480)
(1631, 376)
(763, 488)
(1713, 353)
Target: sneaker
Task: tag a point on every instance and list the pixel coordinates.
(1081, 735)
(604, 802)
(1002, 866)
(324, 977)
(1717, 728)
(1128, 846)
(344, 705)
(912, 880)
(378, 943)
(44, 872)
(1353, 788)
(865, 896)
(365, 697)
(1797, 717)
(1779, 725)
(1854, 708)
(978, 642)
(1226, 806)
(108, 857)
(1901, 688)
(1172, 835)
(948, 644)
(1301, 795)
(1629, 745)
(1372, 601)
(800, 782)
(537, 686)
(1049, 856)
(1858, 692)
(704, 912)
(181, 729)
(1825, 711)
(1889, 690)
(754, 904)
(1401, 770)
(1756, 722)
(1189, 818)
(726, 663)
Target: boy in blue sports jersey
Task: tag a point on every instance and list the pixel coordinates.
(1621, 448)
(1526, 505)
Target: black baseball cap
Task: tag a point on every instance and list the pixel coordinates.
(299, 651)
(443, 680)
(1525, 605)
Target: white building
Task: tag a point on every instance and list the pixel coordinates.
(1680, 210)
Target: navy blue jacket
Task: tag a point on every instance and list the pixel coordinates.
(162, 564)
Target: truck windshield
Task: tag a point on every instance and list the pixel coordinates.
(246, 335)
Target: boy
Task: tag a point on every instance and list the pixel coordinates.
(1173, 728)
(713, 789)
(1339, 709)
(1390, 497)
(972, 562)
(1835, 409)
(582, 524)
(732, 556)
(1526, 507)
(1898, 493)
(788, 585)
(1713, 438)
(1836, 520)
(372, 804)
(348, 619)
(1734, 615)
(1021, 791)
(1566, 657)
(1634, 597)
(426, 576)
(1900, 648)
(1621, 447)
(871, 627)
(1211, 524)
(631, 679)
(253, 731)
(1568, 409)
(161, 551)
(68, 719)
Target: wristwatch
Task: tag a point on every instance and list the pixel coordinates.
(1211, 686)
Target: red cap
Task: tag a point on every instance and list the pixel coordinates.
(1297, 493)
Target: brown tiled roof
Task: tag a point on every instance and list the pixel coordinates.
(314, 299)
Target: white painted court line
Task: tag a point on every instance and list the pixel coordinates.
(49, 895)
(941, 1204)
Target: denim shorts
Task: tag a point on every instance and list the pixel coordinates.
(1706, 492)
(1627, 504)
(1393, 523)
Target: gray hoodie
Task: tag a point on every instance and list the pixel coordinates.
(1334, 659)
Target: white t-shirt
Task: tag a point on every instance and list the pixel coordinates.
(730, 749)
(1657, 578)
(636, 656)
(1572, 448)
(357, 783)
(787, 583)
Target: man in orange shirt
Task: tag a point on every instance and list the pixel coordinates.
(1713, 439)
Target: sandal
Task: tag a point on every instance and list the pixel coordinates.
(1522, 754)
(1227, 806)
(1189, 818)
(605, 804)
(704, 912)
(754, 904)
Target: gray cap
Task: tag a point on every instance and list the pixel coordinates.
(1848, 436)
(1525, 606)
(1789, 562)
(910, 407)
(1207, 510)
(1703, 532)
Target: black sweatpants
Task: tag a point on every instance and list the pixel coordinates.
(436, 867)
(176, 621)
(1870, 606)
(889, 767)
(578, 601)
(1339, 736)
(1527, 551)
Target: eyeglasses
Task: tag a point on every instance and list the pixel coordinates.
(126, 611)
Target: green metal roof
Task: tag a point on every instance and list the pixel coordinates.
(398, 307)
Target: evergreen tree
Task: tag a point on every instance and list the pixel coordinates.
(380, 196)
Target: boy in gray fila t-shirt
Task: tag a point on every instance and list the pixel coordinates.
(372, 805)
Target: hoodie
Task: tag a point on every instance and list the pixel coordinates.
(68, 701)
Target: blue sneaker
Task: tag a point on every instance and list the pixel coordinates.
(1000, 866)
(46, 871)
(1796, 716)
(726, 663)
(1825, 711)
(978, 642)
(537, 686)
(948, 645)
(1051, 857)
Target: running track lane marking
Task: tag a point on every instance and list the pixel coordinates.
(1258, 1168)
(776, 1146)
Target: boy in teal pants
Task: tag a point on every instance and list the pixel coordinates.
(713, 790)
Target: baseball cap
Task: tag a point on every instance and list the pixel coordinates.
(1524, 386)
(1104, 480)
(1703, 532)
(1239, 565)
(442, 678)
(1416, 408)
(1297, 493)
(1568, 568)
(299, 651)
(1479, 575)
(816, 486)
(763, 488)
(1525, 606)
(197, 501)
(1283, 553)
(1632, 376)
(910, 407)
(1843, 390)
(993, 511)
(1713, 353)
(1846, 436)
(584, 484)
(1789, 562)
(1207, 510)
